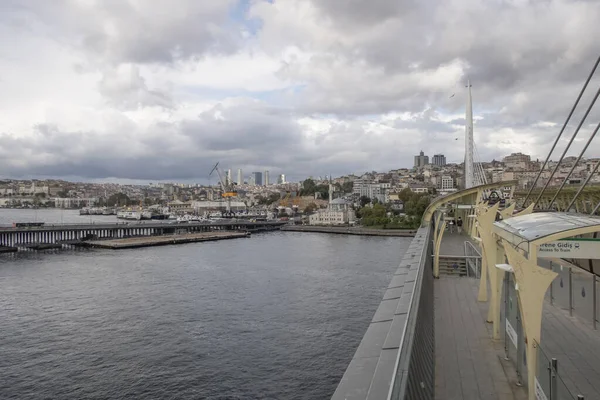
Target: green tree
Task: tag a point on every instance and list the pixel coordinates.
(308, 187)
(118, 199)
(364, 200)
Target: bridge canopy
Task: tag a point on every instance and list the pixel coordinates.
(545, 226)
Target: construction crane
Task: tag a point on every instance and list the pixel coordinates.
(227, 188)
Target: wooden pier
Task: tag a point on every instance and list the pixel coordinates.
(148, 241)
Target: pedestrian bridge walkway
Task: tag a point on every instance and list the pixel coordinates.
(470, 364)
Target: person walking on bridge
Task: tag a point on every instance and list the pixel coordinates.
(459, 225)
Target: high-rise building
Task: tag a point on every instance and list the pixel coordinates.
(240, 177)
(257, 178)
(266, 176)
(281, 179)
(439, 160)
(421, 160)
(228, 177)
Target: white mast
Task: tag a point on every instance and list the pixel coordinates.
(469, 170)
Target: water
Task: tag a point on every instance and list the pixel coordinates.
(276, 316)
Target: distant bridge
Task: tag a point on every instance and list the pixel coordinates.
(73, 233)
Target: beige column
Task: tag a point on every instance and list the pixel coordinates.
(532, 281)
(485, 220)
(436, 251)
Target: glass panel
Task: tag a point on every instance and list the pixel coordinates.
(597, 300)
(524, 372)
(543, 372)
(511, 322)
(583, 297)
(560, 287)
(563, 393)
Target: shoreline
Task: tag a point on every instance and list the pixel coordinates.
(344, 230)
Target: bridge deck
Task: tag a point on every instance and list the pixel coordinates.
(469, 362)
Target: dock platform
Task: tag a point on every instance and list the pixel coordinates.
(148, 241)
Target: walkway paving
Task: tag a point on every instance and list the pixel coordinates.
(469, 364)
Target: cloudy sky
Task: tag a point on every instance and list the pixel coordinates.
(145, 90)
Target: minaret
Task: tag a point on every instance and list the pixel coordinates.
(469, 170)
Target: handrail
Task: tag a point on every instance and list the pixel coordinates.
(401, 383)
(473, 247)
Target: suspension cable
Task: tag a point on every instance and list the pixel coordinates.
(561, 132)
(573, 168)
(565, 151)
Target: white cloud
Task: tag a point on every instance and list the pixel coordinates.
(119, 89)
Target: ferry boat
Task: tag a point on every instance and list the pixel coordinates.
(134, 214)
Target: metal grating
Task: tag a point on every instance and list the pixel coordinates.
(415, 374)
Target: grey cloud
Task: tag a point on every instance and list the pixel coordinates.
(505, 47)
(127, 89)
(122, 31)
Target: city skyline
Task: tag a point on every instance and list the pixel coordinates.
(296, 88)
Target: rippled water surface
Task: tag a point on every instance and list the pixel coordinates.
(276, 316)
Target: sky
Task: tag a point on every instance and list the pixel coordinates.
(139, 90)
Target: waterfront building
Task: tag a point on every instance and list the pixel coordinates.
(338, 212)
(266, 178)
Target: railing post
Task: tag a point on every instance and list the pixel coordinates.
(551, 286)
(570, 292)
(519, 348)
(595, 302)
(506, 294)
(553, 379)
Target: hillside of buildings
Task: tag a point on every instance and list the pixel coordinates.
(392, 198)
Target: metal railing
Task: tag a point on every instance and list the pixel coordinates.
(414, 372)
(473, 260)
(548, 382)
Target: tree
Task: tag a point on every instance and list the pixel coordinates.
(118, 199)
(364, 200)
(308, 187)
(310, 208)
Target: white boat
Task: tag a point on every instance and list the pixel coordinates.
(132, 215)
